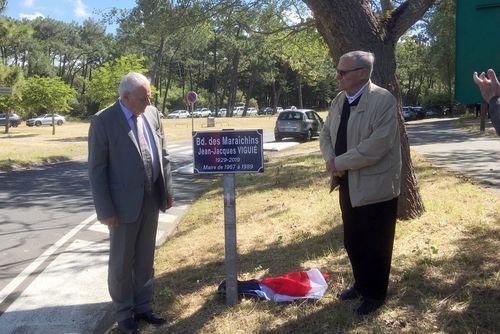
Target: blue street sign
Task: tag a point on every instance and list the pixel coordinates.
(192, 97)
(228, 151)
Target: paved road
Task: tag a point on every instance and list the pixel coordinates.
(452, 148)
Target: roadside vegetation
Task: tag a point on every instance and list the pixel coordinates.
(445, 273)
(471, 124)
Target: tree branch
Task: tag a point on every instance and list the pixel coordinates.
(405, 16)
(386, 5)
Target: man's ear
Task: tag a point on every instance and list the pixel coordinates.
(126, 96)
(366, 73)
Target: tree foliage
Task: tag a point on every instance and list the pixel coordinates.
(271, 52)
(46, 94)
(103, 87)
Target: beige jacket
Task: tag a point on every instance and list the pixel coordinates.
(373, 156)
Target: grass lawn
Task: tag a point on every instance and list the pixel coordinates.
(445, 274)
(25, 146)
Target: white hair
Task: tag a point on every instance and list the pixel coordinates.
(362, 59)
(131, 81)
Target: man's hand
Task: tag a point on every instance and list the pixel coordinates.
(330, 168)
(170, 202)
(488, 85)
(111, 222)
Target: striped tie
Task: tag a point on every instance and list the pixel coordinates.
(145, 153)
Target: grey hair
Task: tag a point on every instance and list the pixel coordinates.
(362, 59)
(131, 81)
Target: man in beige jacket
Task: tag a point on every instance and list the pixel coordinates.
(361, 148)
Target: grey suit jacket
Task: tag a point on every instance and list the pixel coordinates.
(116, 171)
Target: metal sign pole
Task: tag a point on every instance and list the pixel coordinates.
(192, 117)
(482, 124)
(191, 98)
(230, 239)
(229, 152)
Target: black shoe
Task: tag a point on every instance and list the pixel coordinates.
(128, 326)
(151, 318)
(368, 306)
(349, 294)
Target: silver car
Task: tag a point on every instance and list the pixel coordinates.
(45, 120)
(178, 114)
(301, 124)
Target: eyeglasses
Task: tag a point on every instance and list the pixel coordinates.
(341, 73)
(142, 98)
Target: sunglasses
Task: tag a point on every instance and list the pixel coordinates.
(341, 73)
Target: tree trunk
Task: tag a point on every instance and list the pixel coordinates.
(301, 105)
(233, 86)
(7, 121)
(334, 20)
(250, 91)
(216, 97)
(154, 70)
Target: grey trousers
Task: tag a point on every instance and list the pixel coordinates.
(131, 257)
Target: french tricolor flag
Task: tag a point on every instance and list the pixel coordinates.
(309, 284)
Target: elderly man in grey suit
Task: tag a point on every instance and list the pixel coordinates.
(361, 147)
(130, 177)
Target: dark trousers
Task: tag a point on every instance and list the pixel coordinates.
(131, 257)
(368, 240)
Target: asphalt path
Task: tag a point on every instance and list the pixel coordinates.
(449, 147)
(37, 208)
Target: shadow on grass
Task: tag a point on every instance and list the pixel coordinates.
(71, 139)
(457, 292)
(7, 165)
(17, 136)
(460, 291)
(278, 257)
(295, 172)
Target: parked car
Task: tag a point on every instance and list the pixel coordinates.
(14, 120)
(301, 124)
(238, 111)
(408, 114)
(419, 112)
(279, 109)
(291, 108)
(222, 112)
(178, 114)
(431, 113)
(251, 111)
(203, 112)
(45, 120)
(266, 111)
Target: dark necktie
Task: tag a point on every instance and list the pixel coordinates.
(145, 154)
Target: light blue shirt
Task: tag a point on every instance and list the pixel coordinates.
(141, 121)
(355, 96)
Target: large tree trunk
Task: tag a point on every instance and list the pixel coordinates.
(335, 22)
